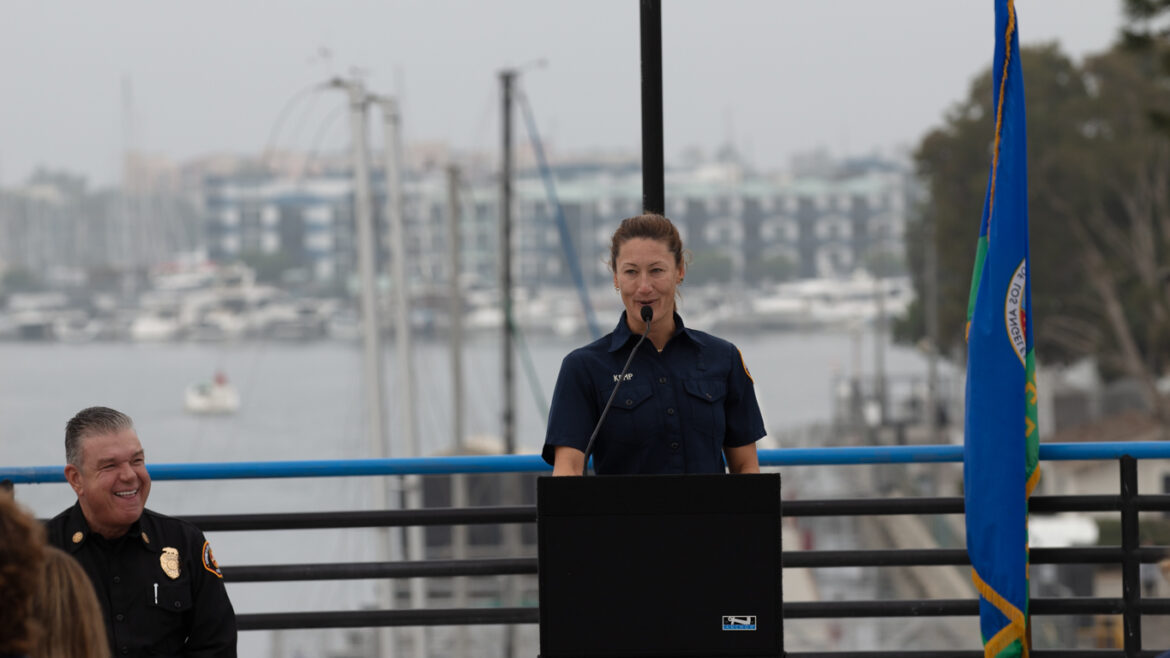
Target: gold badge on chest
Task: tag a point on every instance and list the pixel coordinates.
(170, 562)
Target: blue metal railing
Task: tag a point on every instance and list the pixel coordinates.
(1131, 606)
(844, 455)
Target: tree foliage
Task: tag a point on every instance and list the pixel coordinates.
(1099, 210)
(772, 269)
(269, 267)
(1147, 34)
(21, 280)
(709, 266)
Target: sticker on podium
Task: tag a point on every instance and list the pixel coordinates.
(739, 623)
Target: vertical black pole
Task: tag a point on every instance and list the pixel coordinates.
(509, 398)
(1130, 564)
(653, 165)
(507, 486)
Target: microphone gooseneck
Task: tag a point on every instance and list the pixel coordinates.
(647, 315)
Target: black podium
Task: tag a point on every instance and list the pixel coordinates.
(660, 565)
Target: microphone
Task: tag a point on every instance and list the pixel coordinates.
(647, 315)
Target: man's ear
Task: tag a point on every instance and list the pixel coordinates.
(73, 476)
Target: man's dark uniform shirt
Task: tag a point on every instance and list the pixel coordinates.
(675, 412)
(155, 603)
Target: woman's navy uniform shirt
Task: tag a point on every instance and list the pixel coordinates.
(674, 413)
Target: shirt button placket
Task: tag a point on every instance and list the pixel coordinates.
(675, 461)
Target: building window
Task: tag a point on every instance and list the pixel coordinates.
(230, 217)
(723, 231)
(319, 215)
(230, 244)
(779, 228)
(833, 227)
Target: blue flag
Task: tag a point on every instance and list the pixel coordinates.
(1000, 465)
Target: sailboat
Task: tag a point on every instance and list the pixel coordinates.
(218, 396)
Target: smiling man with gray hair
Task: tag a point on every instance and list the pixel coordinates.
(161, 591)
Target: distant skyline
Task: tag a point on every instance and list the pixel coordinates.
(775, 78)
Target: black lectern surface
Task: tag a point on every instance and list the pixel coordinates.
(660, 565)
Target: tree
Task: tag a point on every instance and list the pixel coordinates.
(1147, 35)
(21, 280)
(1099, 181)
(709, 266)
(269, 267)
(1122, 223)
(772, 269)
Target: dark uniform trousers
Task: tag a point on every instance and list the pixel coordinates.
(160, 589)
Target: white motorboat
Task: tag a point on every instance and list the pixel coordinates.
(215, 397)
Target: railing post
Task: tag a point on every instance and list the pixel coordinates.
(1130, 565)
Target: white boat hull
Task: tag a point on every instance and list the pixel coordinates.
(211, 399)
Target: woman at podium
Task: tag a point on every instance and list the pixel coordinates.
(685, 403)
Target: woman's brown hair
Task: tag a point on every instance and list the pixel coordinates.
(651, 227)
(22, 554)
(68, 609)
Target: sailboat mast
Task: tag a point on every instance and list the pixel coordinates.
(371, 338)
(459, 498)
(403, 344)
(508, 492)
(507, 78)
(126, 231)
(455, 305)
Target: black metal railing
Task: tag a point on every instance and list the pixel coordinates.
(1130, 606)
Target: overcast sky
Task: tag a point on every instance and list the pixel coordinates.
(776, 76)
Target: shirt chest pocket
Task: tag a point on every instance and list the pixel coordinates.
(630, 416)
(167, 606)
(704, 408)
(173, 597)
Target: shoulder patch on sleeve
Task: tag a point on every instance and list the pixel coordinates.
(745, 369)
(209, 562)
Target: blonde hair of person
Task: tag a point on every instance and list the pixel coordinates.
(68, 610)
